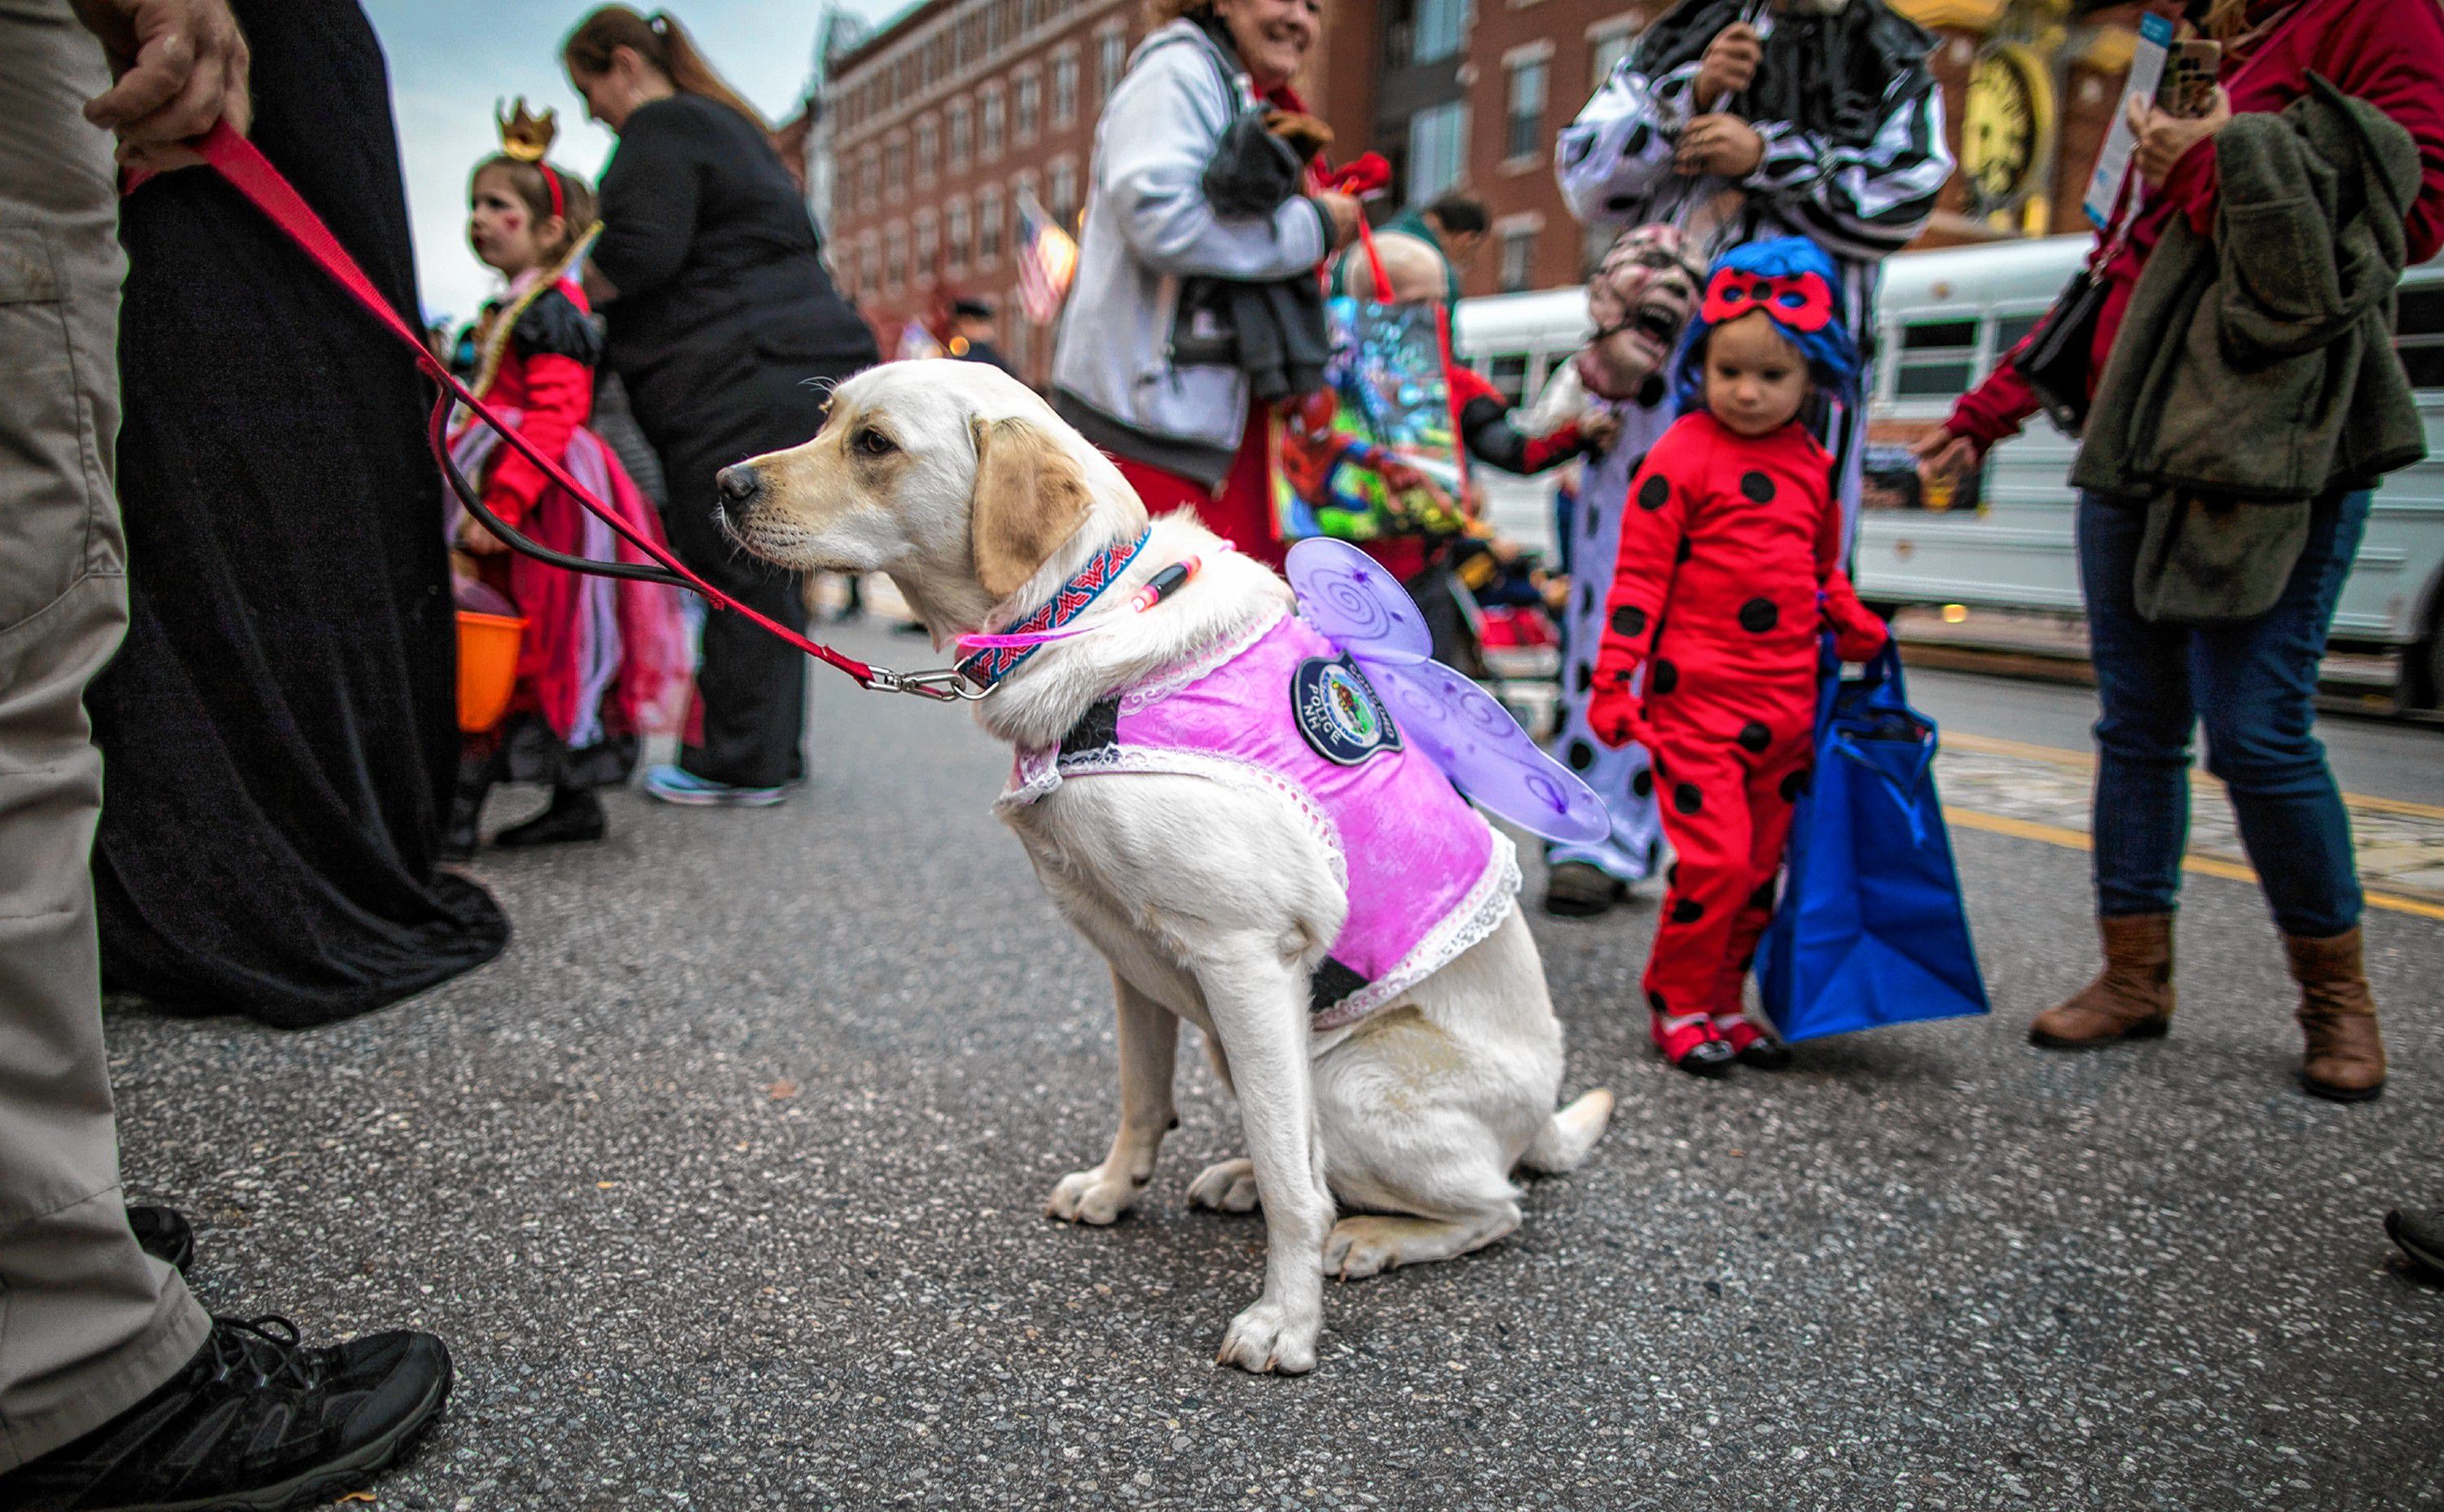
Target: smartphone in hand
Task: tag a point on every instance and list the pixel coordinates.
(2187, 88)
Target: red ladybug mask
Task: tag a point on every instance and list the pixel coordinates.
(1802, 301)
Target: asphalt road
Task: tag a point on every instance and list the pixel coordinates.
(725, 1185)
(2381, 758)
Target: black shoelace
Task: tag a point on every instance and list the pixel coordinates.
(271, 1355)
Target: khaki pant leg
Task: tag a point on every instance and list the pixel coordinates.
(89, 1323)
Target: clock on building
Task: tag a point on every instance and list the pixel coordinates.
(2003, 128)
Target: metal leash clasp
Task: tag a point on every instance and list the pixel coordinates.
(941, 684)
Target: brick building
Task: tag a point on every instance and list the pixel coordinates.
(944, 119)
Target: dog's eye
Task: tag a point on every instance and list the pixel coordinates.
(873, 442)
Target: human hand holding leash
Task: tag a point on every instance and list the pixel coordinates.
(1720, 144)
(179, 68)
(1730, 64)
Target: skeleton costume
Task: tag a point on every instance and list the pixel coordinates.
(1638, 301)
(1854, 149)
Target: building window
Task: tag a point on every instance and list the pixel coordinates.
(895, 257)
(895, 162)
(956, 251)
(990, 130)
(929, 148)
(928, 247)
(1518, 258)
(870, 183)
(1111, 59)
(988, 226)
(1031, 105)
(963, 135)
(1064, 89)
(1605, 52)
(1523, 136)
(1437, 150)
(1065, 193)
(1424, 31)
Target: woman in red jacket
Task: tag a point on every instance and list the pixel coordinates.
(2252, 683)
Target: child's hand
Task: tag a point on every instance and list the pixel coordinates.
(475, 539)
(1614, 713)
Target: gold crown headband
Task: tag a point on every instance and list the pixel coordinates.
(525, 138)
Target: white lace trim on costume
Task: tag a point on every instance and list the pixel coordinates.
(1472, 919)
(1164, 684)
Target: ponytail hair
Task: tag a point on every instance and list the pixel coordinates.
(661, 42)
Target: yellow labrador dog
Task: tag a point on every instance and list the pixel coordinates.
(1212, 901)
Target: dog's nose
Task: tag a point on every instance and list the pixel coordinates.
(738, 487)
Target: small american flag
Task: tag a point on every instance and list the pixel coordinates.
(1048, 259)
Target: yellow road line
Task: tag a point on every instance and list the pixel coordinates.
(2055, 755)
(2025, 829)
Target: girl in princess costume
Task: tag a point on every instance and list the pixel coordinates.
(601, 661)
(1729, 572)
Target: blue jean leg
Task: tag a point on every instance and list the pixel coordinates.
(2255, 684)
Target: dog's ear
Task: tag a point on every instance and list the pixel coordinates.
(1030, 496)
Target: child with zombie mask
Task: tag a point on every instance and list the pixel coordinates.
(1638, 301)
(1729, 571)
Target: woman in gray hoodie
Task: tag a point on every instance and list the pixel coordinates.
(1186, 433)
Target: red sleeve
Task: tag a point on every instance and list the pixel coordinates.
(1467, 383)
(559, 396)
(2392, 57)
(1856, 632)
(1652, 523)
(1994, 410)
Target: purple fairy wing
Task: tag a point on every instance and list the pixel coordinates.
(1481, 747)
(1347, 596)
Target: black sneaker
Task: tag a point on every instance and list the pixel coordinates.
(575, 815)
(162, 1233)
(255, 1423)
(2420, 1234)
(1578, 890)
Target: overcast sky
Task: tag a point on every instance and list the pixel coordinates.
(451, 59)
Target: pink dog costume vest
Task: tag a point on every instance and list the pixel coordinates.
(1285, 712)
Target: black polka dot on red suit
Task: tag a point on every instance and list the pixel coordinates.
(1654, 492)
(1754, 736)
(1655, 1001)
(1581, 755)
(1664, 678)
(1644, 783)
(1757, 486)
(1688, 911)
(1794, 784)
(1687, 799)
(1758, 615)
(1629, 620)
(1763, 897)
(1585, 677)
(1683, 551)
(1671, 876)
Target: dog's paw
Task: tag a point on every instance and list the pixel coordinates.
(1364, 1245)
(1225, 1186)
(1091, 1197)
(1269, 1338)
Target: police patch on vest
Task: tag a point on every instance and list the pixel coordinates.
(1343, 720)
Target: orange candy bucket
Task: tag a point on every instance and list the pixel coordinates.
(487, 668)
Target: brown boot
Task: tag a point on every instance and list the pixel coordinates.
(2131, 999)
(2344, 1060)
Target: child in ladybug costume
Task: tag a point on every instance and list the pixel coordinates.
(1730, 568)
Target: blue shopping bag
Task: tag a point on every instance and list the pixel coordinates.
(1871, 930)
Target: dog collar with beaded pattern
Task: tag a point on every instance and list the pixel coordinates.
(1068, 602)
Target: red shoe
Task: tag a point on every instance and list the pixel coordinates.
(1690, 1042)
(1750, 1045)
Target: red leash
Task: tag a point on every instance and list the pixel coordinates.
(237, 160)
